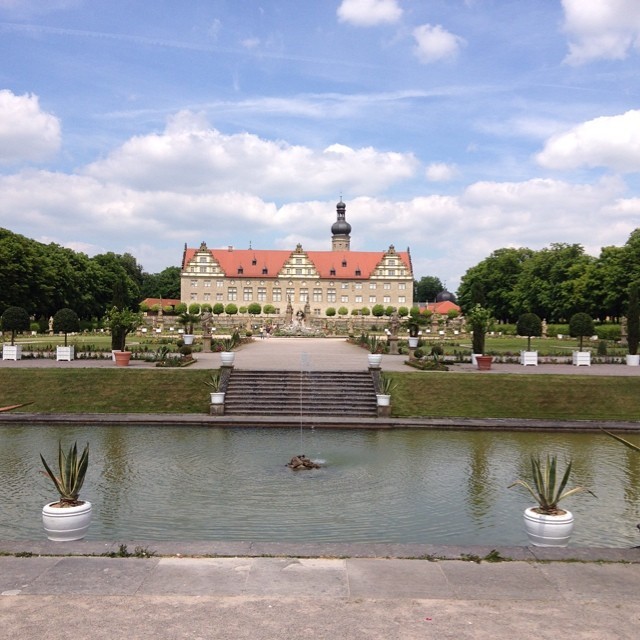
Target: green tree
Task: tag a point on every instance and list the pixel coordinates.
(121, 323)
(218, 308)
(377, 310)
(491, 282)
(254, 309)
(15, 319)
(633, 320)
(581, 325)
(231, 309)
(165, 284)
(529, 324)
(480, 321)
(66, 321)
(331, 311)
(269, 309)
(343, 311)
(427, 288)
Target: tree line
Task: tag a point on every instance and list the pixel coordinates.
(555, 282)
(43, 278)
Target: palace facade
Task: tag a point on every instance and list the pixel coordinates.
(299, 281)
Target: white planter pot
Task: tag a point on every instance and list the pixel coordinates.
(375, 360)
(188, 338)
(548, 531)
(65, 353)
(529, 358)
(413, 342)
(582, 358)
(633, 360)
(474, 362)
(383, 400)
(217, 397)
(227, 358)
(11, 352)
(64, 524)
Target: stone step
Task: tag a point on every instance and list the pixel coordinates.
(306, 393)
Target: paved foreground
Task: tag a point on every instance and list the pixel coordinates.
(299, 597)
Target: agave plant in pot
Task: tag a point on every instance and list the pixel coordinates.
(547, 525)
(385, 389)
(215, 385)
(68, 518)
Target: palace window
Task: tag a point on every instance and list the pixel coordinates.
(193, 296)
(207, 297)
(344, 298)
(220, 284)
(247, 294)
(331, 295)
(402, 286)
(386, 299)
(277, 295)
(194, 283)
(372, 299)
(372, 285)
(401, 299)
(357, 285)
(291, 294)
(304, 295)
(207, 283)
(262, 294)
(219, 297)
(317, 295)
(232, 294)
(387, 285)
(358, 299)
(345, 285)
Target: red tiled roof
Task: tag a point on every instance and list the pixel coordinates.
(440, 307)
(163, 301)
(329, 264)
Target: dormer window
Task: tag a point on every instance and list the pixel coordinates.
(240, 271)
(254, 262)
(332, 272)
(358, 272)
(265, 271)
(344, 263)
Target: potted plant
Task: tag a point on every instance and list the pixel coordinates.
(633, 327)
(227, 356)
(386, 387)
(480, 320)
(122, 322)
(375, 346)
(13, 319)
(64, 321)
(215, 384)
(69, 518)
(414, 334)
(187, 320)
(581, 325)
(529, 324)
(547, 525)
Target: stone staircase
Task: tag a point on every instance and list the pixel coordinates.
(319, 393)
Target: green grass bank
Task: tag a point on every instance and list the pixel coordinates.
(418, 394)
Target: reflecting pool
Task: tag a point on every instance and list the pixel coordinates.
(436, 487)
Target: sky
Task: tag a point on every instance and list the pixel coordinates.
(451, 127)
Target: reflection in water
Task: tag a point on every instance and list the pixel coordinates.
(434, 487)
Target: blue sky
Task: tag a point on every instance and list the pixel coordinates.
(452, 127)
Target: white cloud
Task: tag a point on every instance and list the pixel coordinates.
(189, 156)
(434, 43)
(608, 141)
(26, 132)
(368, 13)
(440, 172)
(601, 29)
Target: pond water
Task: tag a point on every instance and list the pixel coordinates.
(404, 486)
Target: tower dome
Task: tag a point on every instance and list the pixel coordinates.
(445, 296)
(341, 226)
(340, 229)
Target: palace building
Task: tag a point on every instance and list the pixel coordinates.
(300, 281)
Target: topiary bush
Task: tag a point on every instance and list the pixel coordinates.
(15, 319)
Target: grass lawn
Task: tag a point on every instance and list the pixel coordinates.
(427, 394)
